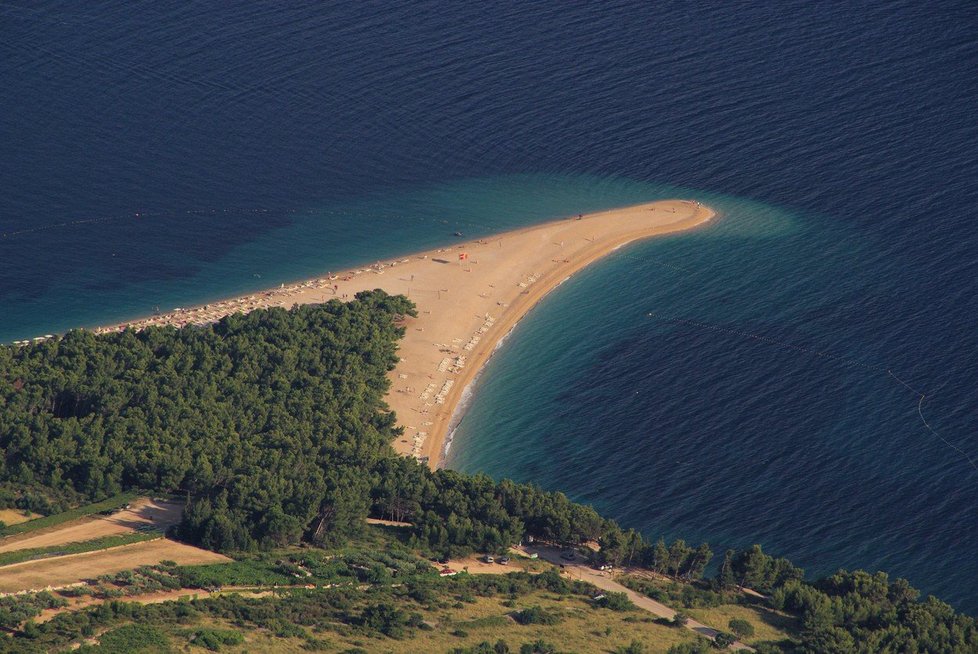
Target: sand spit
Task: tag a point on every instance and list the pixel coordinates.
(468, 295)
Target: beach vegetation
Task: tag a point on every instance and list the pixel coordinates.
(129, 638)
(215, 639)
(634, 647)
(752, 568)
(381, 617)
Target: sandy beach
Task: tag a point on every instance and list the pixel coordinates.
(468, 295)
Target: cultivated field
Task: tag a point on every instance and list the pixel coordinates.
(65, 570)
(142, 513)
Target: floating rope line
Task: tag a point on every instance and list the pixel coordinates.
(825, 355)
(920, 412)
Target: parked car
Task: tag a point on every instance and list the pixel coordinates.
(569, 555)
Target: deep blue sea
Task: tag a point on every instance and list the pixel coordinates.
(760, 380)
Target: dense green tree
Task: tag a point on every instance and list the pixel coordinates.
(864, 613)
(658, 559)
(752, 568)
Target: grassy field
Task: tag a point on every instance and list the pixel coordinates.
(59, 518)
(767, 624)
(583, 628)
(466, 624)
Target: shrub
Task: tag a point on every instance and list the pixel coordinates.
(130, 638)
(741, 628)
(538, 647)
(213, 639)
(699, 646)
(385, 618)
(615, 602)
(723, 640)
(536, 615)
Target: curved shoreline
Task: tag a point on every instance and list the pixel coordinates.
(700, 216)
(469, 296)
(461, 407)
(468, 392)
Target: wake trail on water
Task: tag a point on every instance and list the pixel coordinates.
(825, 355)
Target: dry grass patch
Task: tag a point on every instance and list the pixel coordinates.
(16, 516)
(582, 629)
(768, 625)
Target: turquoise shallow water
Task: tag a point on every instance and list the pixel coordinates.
(310, 240)
(162, 155)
